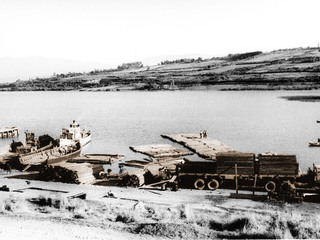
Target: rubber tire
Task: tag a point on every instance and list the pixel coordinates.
(215, 183)
(201, 181)
(270, 186)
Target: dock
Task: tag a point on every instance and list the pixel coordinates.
(9, 132)
(160, 151)
(205, 147)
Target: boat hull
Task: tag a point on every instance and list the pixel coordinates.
(314, 144)
(48, 157)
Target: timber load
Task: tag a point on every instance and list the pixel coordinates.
(226, 163)
(82, 173)
(281, 164)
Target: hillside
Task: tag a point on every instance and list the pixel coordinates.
(281, 69)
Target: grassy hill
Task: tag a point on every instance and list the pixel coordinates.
(281, 69)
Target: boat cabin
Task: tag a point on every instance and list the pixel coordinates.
(31, 144)
(73, 132)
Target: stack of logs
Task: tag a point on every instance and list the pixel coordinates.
(65, 172)
(226, 163)
(280, 164)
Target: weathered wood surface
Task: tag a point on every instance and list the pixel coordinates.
(97, 158)
(204, 147)
(160, 150)
(245, 163)
(278, 164)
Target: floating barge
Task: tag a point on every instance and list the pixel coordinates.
(9, 132)
(205, 147)
(160, 151)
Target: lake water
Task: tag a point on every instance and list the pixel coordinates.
(250, 121)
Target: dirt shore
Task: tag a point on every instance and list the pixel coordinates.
(46, 210)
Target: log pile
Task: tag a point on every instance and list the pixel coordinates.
(226, 163)
(280, 164)
(65, 172)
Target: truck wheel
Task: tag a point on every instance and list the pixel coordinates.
(213, 184)
(199, 184)
(270, 186)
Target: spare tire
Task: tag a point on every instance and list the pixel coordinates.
(270, 186)
(213, 184)
(199, 184)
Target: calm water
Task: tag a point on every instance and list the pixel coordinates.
(251, 121)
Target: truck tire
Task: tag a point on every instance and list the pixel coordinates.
(270, 186)
(199, 184)
(213, 184)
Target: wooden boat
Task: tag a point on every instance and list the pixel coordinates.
(29, 146)
(97, 158)
(50, 156)
(74, 134)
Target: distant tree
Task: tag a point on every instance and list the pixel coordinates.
(130, 65)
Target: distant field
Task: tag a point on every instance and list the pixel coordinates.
(281, 69)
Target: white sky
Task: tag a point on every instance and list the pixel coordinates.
(113, 31)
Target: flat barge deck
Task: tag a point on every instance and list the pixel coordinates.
(204, 147)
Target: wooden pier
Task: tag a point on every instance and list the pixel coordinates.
(205, 147)
(9, 132)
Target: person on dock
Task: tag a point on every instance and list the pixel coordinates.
(201, 134)
(205, 133)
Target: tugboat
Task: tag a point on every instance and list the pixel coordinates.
(73, 135)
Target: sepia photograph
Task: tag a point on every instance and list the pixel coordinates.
(159, 119)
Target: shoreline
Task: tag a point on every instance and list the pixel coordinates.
(222, 87)
(122, 213)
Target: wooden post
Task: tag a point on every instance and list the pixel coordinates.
(236, 171)
(255, 183)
